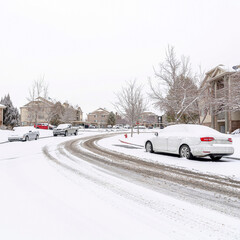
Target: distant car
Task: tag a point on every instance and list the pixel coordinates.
(139, 127)
(188, 140)
(23, 134)
(235, 132)
(65, 129)
(43, 126)
(118, 126)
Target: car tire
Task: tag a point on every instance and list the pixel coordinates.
(66, 133)
(37, 137)
(185, 152)
(75, 133)
(215, 158)
(54, 135)
(149, 147)
(26, 138)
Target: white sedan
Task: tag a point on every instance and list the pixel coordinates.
(23, 134)
(188, 141)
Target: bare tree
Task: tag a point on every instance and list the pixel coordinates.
(176, 91)
(38, 90)
(69, 113)
(228, 95)
(57, 113)
(233, 91)
(131, 103)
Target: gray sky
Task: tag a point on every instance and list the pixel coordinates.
(88, 49)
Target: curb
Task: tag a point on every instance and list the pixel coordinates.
(233, 158)
(131, 144)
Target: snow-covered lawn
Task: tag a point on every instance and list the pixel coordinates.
(40, 200)
(227, 167)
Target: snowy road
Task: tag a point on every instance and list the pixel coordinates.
(220, 193)
(69, 188)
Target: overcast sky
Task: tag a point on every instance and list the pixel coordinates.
(86, 50)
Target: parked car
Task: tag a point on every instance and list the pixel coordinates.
(43, 126)
(65, 129)
(23, 134)
(188, 140)
(237, 131)
(139, 127)
(118, 126)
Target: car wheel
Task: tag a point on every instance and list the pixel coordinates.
(75, 133)
(215, 158)
(66, 133)
(149, 147)
(185, 152)
(26, 138)
(37, 137)
(54, 135)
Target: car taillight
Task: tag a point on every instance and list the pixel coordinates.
(207, 139)
(229, 139)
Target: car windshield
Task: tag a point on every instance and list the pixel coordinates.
(63, 126)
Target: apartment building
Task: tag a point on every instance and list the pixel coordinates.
(149, 119)
(1, 114)
(42, 110)
(36, 111)
(98, 118)
(218, 81)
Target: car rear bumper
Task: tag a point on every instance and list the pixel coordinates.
(216, 149)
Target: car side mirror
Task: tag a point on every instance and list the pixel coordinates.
(156, 134)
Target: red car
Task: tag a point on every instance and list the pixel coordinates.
(43, 126)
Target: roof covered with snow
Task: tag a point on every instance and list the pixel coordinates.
(99, 110)
(2, 106)
(216, 73)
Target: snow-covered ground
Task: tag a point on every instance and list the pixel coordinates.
(228, 167)
(40, 200)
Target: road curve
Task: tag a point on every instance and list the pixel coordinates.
(211, 191)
